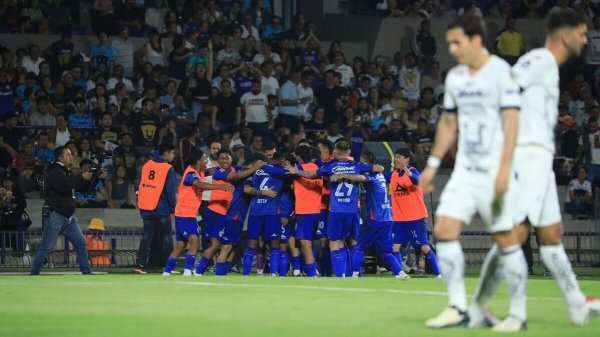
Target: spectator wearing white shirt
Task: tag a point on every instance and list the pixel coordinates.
(269, 84)
(266, 54)
(228, 54)
(255, 104)
(590, 144)
(339, 66)
(305, 93)
(248, 29)
(409, 77)
(155, 14)
(31, 62)
(124, 51)
(579, 196)
(118, 77)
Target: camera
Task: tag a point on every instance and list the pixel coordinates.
(100, 157)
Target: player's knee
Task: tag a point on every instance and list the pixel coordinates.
(551, 235)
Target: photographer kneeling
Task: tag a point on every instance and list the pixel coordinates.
(57, 213)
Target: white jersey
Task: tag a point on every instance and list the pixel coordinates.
(537, 74)
(479, 99)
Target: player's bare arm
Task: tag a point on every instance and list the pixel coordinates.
(444, 138)
(510, 118)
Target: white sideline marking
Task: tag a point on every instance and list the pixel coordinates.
(269, 286)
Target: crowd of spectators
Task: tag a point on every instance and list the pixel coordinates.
(232, 72)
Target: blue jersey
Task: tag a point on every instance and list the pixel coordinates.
(344, 194)
(270, 177)
(378, 202)
(286, 204)
(239, 204)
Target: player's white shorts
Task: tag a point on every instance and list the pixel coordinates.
(462, 198)
(537, 200)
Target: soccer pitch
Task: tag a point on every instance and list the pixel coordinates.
(153, 305)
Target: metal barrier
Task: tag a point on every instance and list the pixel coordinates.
(18, 249)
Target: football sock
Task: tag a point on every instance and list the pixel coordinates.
(201, 265)
(489, 278)
(433, 262)
(452, 266)
(325, 261)
(284, 263)
(171, 263)
(557, 262)
(338, 263)
(221, 269)
(227, 267)
(260, 261)
(347, 260)
(295, 263)
(357, 258)
(274, 260)
(398, 257)
(393, 262)
(310, 269)
(190, 259)
(248, 257)
(514, 268)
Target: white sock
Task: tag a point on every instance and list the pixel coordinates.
(489, 278)
(557, 262)
(452, 266)
(514, 268)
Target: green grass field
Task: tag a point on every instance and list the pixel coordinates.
(153, 305)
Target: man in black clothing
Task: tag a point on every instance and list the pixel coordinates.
(328, 96)
(227, 109)
(58, 210)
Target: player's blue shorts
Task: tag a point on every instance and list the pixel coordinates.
(231, 233)
(322, 229)
(214, 223)
(413, 232)
(306, 226)
(288, 230)
(377, 233)
(267, 225)
(184, 227)
(342, 226)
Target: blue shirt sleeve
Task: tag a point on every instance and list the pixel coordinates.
(275, 171)
(248, 181)
(220, 174)
(189, 178)
(416, 176)
(363, 168)
(170, 190)
(388, 176)
(324, 171)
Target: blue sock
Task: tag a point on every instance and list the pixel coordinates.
(393, 262)
(221, 269)
(433, 262)
(295, 262)
(284, 263)
(274, 260)
(311, 269)
(228, 267)
(338, 263)
(398, 257)
(357, 258)
(202, 265)
(347, 261)
(189, 261)
(325, 262)
(248, 257)
(171, 263)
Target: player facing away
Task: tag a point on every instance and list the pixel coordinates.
(287, 241)
(537, 74)
(264, 186)
(481, 103)
(308, 194)
(378, 231)
(189, 199)
(219, 203)
(326, 148)
(344, 213)
(408, 209)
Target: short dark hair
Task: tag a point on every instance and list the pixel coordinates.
(268, 146)
(59, 151)
(369, 156)
(342, 145)
(559, 18)
(194, 157)
(84, 162)
(404, 152)
(470, 24)
(165, 147)
(223, 151)
(325, 143)
(304, 153)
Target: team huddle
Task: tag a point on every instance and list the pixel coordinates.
(503, 120)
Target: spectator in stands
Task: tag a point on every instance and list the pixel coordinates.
(63, 133)
(338, 65)
(509, 42)
(81, 118)
(579, 200)
(329, 95)
(424, 45)
(32, 61)
(86, 195)
(305, 92)
(58, 15)
(102, 53)
(40, 115)
(223, 74)
(7, 99)
(391, 8)
(146, 125)
(152, 52)
(124, 53)
(592, 52)
(432, 78)
(248, 28)
(129, 14)
(248, 49)
(273, 30)
(471, 8)
(156, 201)
(255, 104)
(590, 147)
(60, 54)
(409, 77)
(25, 166)
(57, 213)
(32, 11)
(290, 101)
(155, 14)
(127, 155)
(119, 189)
(226, 111)
(106, 132)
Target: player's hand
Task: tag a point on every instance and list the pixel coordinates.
(284, 221)
(336, 177)
(427, 179)
(103, 174)
(227, 187)
(407, 171)
(291, 169)
(270, 193)
(501, 184)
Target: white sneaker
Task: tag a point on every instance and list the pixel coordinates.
(510, 324)
(450, 317)
(296, 272)
(355, 274)
(481, 318)
(259, 272)
(187, 272)
(581, 316)
(402, 276)
(166, 274)
(196, 274)
(273, 274)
